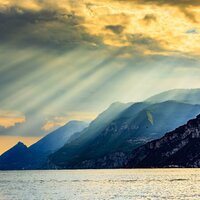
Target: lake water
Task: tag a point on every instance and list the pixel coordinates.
(101, 185)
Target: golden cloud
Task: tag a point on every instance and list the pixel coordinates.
(11, 118)
(110, 23)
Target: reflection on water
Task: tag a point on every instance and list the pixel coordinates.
(133, 184)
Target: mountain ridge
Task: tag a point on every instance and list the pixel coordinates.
(112, 136)
(191, 96)
(124, 134)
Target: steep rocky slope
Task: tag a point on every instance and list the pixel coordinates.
(179, 148)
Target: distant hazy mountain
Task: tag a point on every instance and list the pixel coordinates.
(21, 157)
(136, 125)
(58, 138)
(179, 148)
(191, 96)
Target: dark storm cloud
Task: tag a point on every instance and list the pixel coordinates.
(148, 18)
(117, 29)
(144, 41)
(192, 31)
(47, 28)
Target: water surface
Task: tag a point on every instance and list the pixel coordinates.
(133, 184)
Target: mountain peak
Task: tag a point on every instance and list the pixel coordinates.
(191, 96)
(20, 145)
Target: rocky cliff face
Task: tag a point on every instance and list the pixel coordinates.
(179, 148)
(111, 161)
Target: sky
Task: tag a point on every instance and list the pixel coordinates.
(69, 60)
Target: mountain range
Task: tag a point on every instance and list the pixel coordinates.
(22, 157)
(135, 126)
(110, 140)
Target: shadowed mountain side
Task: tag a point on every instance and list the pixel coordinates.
(20, 157)
(97, 125)
(137, 125)
(179, 148)
(76, 148)
(191, 96)
(15, 157)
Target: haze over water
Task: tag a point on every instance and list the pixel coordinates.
(177, 184)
